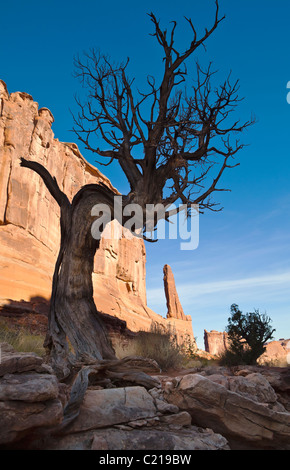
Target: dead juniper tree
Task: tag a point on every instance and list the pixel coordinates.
(187, 141)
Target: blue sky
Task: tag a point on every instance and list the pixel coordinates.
(243, 255)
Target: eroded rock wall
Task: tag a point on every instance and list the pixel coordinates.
(215, 342)
(29, 220)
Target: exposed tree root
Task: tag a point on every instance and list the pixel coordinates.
(108, 373)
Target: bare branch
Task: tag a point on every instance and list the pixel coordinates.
(186, 137)
(48, 180)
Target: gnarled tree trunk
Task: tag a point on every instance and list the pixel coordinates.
(77, 340)
(75, 333)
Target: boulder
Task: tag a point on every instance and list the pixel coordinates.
(12, 362)
(254, 386)
(28, 387)
(103, 408)
(29, 395)
(182, 418)
(19, 418)
(244, 421)
(277, 377)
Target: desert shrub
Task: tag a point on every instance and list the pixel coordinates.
(160, 344)
(123, 350)
(230, 358)
(189, 347)
(21, 340)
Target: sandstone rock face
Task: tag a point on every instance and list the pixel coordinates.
(174, 307)
(277, 353)
(29, 220)
(215, 342)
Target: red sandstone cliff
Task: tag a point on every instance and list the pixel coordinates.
(29, 220)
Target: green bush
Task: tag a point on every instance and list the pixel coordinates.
(247, 336)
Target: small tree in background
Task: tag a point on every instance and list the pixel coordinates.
(247, 334)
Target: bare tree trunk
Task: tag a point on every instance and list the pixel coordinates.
(73, 306)
(77, 340)
(75, 333)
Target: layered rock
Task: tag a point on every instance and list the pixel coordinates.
(29, 395)
(210, 408)
(32, 405)
(244, 409)
(29, 220)
(213, 408)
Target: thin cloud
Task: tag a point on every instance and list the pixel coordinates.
(236, 284)
(190, 291)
